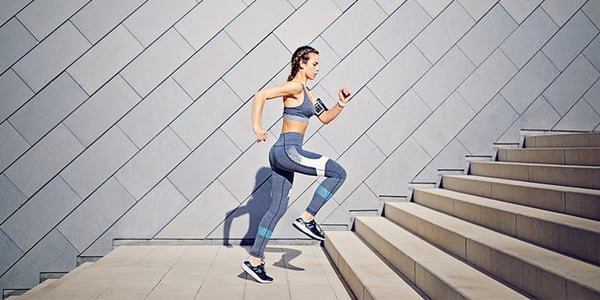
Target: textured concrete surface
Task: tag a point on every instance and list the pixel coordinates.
(198, 272)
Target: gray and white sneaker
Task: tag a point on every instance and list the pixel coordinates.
(311, 229)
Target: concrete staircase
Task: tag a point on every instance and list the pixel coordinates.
(526, 225)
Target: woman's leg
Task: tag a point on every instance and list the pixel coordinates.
(281, 183)
(310, 163)
(335, 176)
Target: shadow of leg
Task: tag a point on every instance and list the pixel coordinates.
(287, 257)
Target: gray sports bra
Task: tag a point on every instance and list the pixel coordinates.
(302, 112)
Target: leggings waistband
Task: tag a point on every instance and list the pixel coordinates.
(289, 138)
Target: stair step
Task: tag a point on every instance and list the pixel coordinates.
(435, 272)
(568, 200)
(533, 269)
(367, 275)
(588, 139)
(560, 156)
(48, 285)
(573, 236)
(567, 175)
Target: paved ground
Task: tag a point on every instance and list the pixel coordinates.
(199, 272)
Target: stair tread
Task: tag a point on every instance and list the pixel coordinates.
(566, 267)
(373, 273)
(468, 280)
(536, 185)
(567, 220)
(536, 164)
(555, 148)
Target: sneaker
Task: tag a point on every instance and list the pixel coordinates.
(257, 272)
(312, 229)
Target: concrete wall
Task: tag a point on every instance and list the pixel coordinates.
(131, 118)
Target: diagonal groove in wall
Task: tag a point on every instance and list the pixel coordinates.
(245, 101)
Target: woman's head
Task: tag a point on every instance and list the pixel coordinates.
(305, 58)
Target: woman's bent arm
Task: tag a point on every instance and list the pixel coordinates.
(260, 97)
(331, 114)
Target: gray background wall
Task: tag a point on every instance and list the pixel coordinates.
(131, 118)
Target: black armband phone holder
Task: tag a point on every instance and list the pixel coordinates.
(320, 107)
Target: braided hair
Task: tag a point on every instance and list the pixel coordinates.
(300, 55)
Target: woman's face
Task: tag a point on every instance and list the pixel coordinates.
(311, 67)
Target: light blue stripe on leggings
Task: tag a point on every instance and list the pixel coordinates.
(323, 192)
(264, 232)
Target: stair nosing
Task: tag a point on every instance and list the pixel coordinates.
(529, 184)
(529, 164)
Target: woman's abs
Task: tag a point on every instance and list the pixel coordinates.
(293, 126)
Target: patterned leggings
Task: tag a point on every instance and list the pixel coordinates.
(287, 157)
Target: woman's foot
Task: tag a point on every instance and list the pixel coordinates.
(257, 272)
(310, 228)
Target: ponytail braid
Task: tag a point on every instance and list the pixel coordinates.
(300, 55)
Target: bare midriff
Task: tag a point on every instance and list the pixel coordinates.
(294, 126)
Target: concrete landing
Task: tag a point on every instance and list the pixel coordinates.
(198, 272)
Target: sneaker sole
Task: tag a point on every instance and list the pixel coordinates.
(307, 232)
(249, 272)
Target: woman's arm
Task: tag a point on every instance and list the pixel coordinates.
(328, 116)
(260, 97)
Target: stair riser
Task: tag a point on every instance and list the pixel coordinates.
(524, 276)
(435, 286)
(575, 242)
(426, 281)
(539, 198)
(364, 272)
(581, 157)
(581, 205)
(566, 140)
(559, 175)
(403, 263)
(533, 280)
(504, 222)
(349, 276)
(452, 242)
(586, 206)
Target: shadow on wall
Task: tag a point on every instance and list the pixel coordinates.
(255, 207)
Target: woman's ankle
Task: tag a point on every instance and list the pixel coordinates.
(255, 261)
(307, 217)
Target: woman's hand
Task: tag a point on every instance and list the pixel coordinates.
(261, 135)
(344, 95)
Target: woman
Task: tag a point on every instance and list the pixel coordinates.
(287, 156)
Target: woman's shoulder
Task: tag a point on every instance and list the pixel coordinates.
(292, 88)
(295, 84)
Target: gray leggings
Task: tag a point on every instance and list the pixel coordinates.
(287, 157)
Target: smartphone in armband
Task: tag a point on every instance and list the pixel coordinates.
(320, 107)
